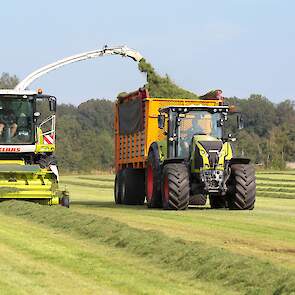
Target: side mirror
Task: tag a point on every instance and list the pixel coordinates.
(161, 121)
(231, 138)
(240, 122)
(36, 116)
(52, 104)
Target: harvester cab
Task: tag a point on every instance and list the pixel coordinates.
(28, 168)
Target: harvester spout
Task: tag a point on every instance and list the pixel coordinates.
(119, 50)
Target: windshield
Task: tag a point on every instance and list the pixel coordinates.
(16, 120)
(197, 123)
(200, 123)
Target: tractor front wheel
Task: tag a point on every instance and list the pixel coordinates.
(242, 187)
(175, 187)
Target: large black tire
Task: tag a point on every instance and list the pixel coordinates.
(153, 179)
(118, 188)
(175, 186)
(242, 187)
(217, 201)
(132, 186)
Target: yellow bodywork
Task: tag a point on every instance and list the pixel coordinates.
(41, 146)
(132, 150)
(225, 154)
(153, 133)
(20, 181)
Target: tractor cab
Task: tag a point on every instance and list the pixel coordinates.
(189, 124)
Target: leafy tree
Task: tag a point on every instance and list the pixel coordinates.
(259, 113)
(85, 136)
(7, 81)
(85, 140)
(285, 113)
(97, 113)
(249, 145)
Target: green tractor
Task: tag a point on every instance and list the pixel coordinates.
(196, 161)
(28, 168)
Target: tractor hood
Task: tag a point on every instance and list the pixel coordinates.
(209, 153)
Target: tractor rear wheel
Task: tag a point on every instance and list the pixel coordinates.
(242, 187)
(175, 187)
(153, 178)
(132, 186)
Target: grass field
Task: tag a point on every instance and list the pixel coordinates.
(96, 247)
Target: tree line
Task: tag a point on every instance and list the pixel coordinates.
(85, 133)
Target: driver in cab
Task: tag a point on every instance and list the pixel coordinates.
(200, 124)
(7, 121)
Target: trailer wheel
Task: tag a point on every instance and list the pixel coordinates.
(242, 187)
(216, 201)
(175, 187)
(132, 186)
(118, 188)
(153, 180)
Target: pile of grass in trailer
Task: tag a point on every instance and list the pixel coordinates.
(242, 273)
(276, 184)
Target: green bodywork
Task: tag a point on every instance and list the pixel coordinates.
(196, 149)
(225, 153)
(162, 147)
(29, 182)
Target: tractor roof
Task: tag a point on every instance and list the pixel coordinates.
(186, 109)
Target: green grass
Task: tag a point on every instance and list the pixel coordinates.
(95, 185)
(275, 188)
(98, 178)
(97, 247)
(280, 184)
(276, 185)
(202, 262)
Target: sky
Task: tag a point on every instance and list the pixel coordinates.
(239, 46)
